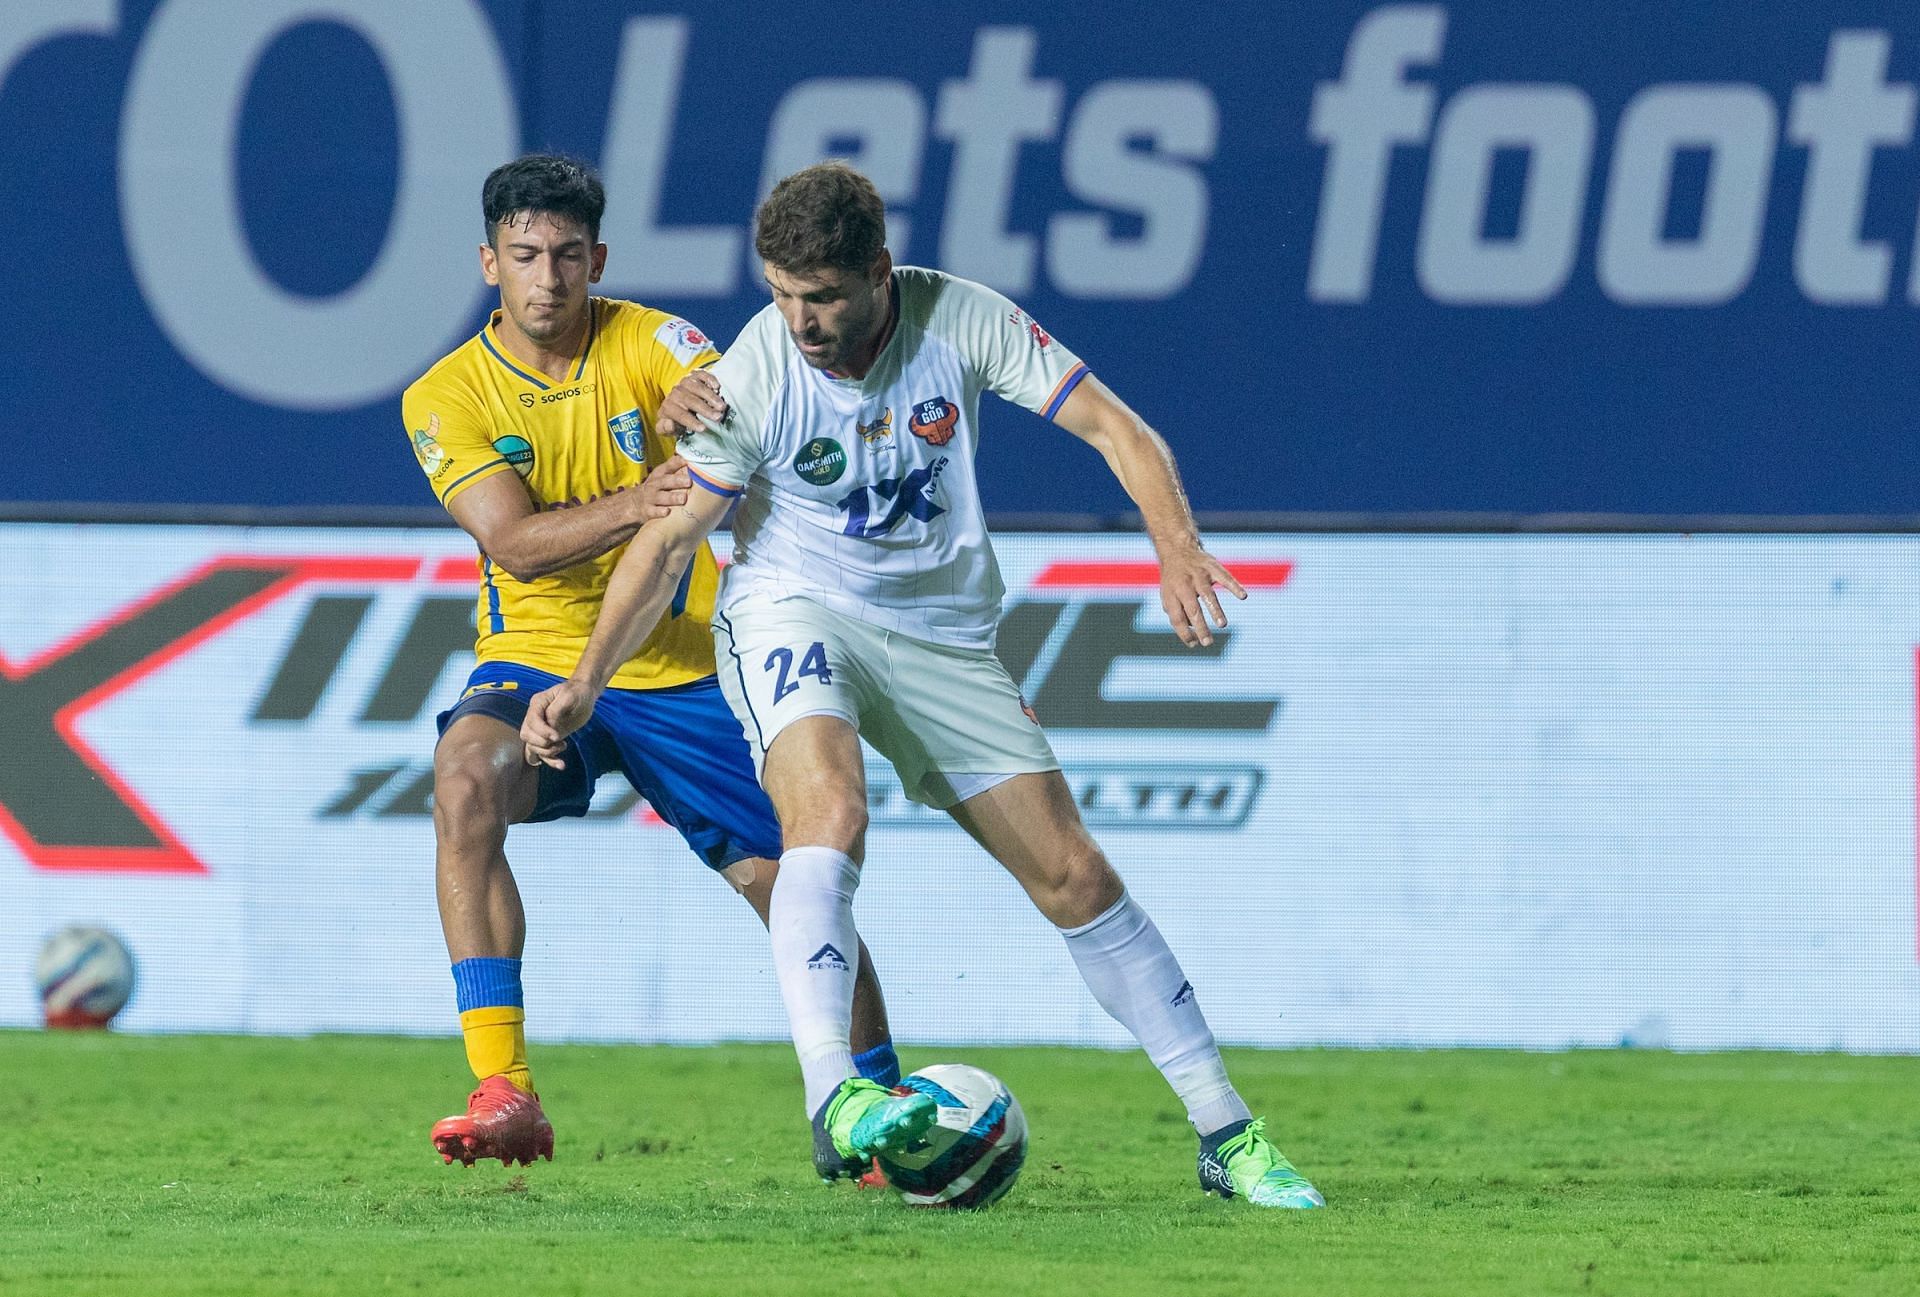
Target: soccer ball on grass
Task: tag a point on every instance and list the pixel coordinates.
(974, 1150)
(85, 976)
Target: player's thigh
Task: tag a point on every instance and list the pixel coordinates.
(952, 722)
(782, 661)
(1031, 825)
(681, 749)
(817, 777)
(480, 774)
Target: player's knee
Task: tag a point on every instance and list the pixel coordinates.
(753, 878)
(1081, 887)
(850, 827)
(470, 801)
(837, 820)
(742, 876)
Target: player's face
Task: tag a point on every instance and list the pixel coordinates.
(543, 265)
(836, 316)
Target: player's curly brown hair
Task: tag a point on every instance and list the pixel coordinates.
(827, 216)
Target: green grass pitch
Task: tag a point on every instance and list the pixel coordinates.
(215, 1165)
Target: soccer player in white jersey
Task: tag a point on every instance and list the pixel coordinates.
(862, 601)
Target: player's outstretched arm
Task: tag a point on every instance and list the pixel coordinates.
(499, 513)
(1140, 458)
(639, 590)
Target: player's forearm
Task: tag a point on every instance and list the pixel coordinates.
(1142, 461)
(544, 543)
(639, 590)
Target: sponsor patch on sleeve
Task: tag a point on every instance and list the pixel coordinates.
(685, 342)
(427, 449)
(1037, 335)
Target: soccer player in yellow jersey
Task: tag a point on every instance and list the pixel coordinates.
(538, 436)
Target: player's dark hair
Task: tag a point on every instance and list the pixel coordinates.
(828, 215)
(544, 182)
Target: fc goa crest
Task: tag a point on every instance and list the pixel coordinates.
(933, 421)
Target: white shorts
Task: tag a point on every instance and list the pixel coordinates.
(943, 716)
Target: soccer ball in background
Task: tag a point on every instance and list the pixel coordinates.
(973, 1153)
(85, 976)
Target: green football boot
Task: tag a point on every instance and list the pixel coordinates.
(864, 1120)
(1239, 1161)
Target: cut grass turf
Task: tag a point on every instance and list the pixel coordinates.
(216, 1165)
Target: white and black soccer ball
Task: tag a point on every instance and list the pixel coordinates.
(973, 1152)
(85, 976)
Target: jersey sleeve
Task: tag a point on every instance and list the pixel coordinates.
(673, 349)
(1015, 358)
(723, 456)
(450, 440)
(662, 349)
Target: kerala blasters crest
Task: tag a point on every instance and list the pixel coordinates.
(630, 435)
(933, 421)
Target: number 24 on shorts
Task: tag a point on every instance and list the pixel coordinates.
(812, 663)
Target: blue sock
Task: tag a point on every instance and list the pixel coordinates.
(487, 982)
(879, 1064)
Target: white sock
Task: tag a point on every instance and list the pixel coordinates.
(1128, 966)
(815, 954)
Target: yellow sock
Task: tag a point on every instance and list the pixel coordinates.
(497, 1043)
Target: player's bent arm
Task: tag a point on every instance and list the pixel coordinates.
(499, 513)
(643, 582)
(1138, 456)
(1142, 461)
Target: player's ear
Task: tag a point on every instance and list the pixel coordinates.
(597, 263)
(882, 267)
(489, 264)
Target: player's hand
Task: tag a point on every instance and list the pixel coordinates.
(552, 715)
(664, 490)
(1188, 578)
(696, 395)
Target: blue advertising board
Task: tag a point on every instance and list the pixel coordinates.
(1530, 257)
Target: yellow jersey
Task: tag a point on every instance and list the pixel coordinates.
(480, 412)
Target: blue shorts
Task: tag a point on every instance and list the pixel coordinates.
(679, 747)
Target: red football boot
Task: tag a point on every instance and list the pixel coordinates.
(502, 1121)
